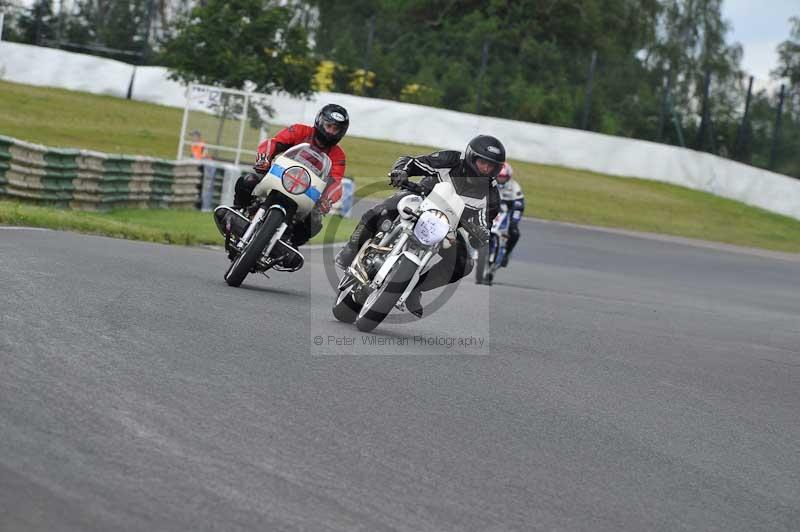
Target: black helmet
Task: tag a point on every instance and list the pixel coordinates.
(331, 116)
(488, 149)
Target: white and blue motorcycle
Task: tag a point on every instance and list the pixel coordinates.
(290, 191)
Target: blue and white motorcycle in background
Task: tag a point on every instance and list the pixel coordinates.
(289, 191)
(388, 266)
(490, 257)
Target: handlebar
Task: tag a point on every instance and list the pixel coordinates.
(475, 231)
(416, 188)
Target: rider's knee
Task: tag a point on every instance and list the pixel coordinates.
(248, 182)
(371, 218)
(468, 266)
(314, 223)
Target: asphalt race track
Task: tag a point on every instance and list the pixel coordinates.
(605, 383)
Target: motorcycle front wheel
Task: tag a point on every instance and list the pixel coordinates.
(247, 259)
(380, 303)
(483, 266)
(346, 308)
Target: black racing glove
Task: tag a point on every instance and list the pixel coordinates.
(398, 178)
(480, 237)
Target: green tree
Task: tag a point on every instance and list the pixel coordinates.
(36, 25)
(788, 71)
(691, 43)
(789, 67)
(99, 27)
(789, 54)
(538, 52)
(10, 31)
(124, 25)
(429, 51)
(231, 43)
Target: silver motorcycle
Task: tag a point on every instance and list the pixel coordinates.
(388, 266)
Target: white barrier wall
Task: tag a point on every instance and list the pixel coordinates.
(415, 124)
(49, 67)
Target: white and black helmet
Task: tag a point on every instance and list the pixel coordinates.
(487, 148)
(328, 116)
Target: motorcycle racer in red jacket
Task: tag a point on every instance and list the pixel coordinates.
(330, 126)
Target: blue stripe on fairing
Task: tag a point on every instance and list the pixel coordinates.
(311, 192)
(276, 170)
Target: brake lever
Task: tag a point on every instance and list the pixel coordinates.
(409, 211)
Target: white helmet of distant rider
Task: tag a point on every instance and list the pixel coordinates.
(505, 174)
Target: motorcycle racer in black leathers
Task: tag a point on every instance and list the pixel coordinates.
(473, 178)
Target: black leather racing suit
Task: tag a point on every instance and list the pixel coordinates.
(481, 199)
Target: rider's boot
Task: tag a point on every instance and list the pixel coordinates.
(513, 238)
(346, 255)
(414, 303)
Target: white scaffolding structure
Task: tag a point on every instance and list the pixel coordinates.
(211, 107)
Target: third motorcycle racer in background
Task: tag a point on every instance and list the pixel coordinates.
(513, 198)
(505, 228)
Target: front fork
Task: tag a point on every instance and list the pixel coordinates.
(254, 223)
(423, 262)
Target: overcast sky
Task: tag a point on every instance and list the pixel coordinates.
(759, 26)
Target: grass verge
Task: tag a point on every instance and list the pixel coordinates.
(57, 117)
(186, 227)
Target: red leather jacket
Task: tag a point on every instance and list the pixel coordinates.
(298, 134)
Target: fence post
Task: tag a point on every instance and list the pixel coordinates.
(702, 131)
(368, 54)
(37, 27)
(60, 26)
(129, 95)
(741, 132)
(777, 130)
(241, 129)
(184, 122)
(712, 141)
(662, 117)
(2, 16)
(481, 74)
(587, 100)
(676, 122)
(222, 118)
(151, 9)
